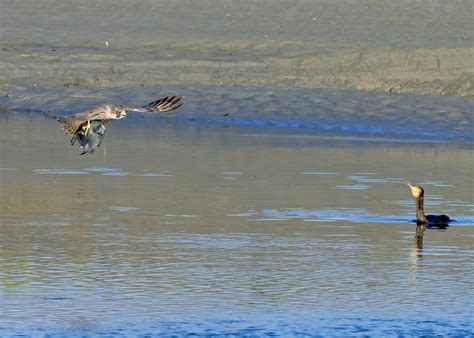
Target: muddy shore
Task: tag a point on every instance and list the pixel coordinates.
(423, 47)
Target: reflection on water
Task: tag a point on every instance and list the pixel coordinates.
(188, 229)
(417, 246)
(420, 232)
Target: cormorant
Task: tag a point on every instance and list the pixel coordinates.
(439, 221)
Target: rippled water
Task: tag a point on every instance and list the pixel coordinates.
(177, 228)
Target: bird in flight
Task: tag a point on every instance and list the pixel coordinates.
(88, 127)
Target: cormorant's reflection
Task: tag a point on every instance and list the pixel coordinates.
(420, 232)
(418, 240)
(416, 252)
(417, 247)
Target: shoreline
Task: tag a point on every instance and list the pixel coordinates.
(355, 115)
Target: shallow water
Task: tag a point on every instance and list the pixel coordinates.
(176, 227)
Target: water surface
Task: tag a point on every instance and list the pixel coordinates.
(181, 228)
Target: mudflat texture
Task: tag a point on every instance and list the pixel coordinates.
(404, 46)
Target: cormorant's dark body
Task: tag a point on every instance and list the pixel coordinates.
(89, 139)
(438, 219)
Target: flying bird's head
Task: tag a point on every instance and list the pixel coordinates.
(416, 190)
(117, 112)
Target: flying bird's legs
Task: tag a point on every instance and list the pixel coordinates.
(87, 127)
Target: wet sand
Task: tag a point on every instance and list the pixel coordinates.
(413, 46)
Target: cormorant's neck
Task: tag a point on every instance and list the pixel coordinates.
(420, 213)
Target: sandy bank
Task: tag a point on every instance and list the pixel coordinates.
(420, 46)
(445, 71)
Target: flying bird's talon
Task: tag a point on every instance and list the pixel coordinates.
(87, 127)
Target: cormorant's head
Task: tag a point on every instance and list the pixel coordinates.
(416, 190)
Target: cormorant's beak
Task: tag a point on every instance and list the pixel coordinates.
(412, 189)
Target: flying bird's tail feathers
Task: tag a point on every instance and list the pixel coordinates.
(49, 115)
(60, 119)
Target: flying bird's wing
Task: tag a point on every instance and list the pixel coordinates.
(165, 104)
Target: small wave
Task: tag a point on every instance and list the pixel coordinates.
(123, 209)
(353, 187)
(59, 172)
(318, 173)
(102, 169)
(364, 179)
(56, 298)
(164, 174)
